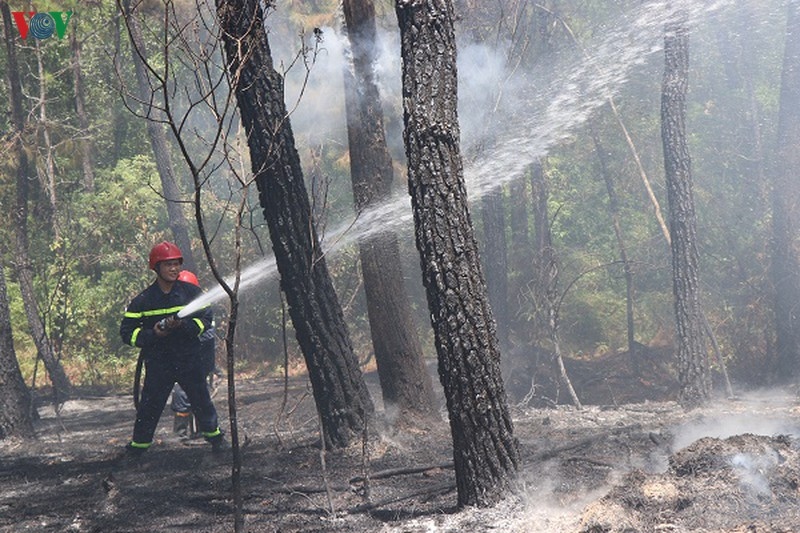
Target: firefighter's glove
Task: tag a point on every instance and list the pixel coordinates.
(165, 326)
(172, 322)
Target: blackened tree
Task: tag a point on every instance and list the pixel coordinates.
(340, 393)
(484, 448)
(693, 369)
(405, 383)
(15, 399)
(786, 208)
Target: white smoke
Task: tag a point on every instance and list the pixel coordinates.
(753, 471)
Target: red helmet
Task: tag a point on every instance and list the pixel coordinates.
(188, 277)
(164, 251)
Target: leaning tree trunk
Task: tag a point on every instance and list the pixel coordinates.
(47, 170)
(158, 141)
(786, 209)
(87, 151)
(23, 266)
(693, 370)
(405, 383)
(485, 450)
(340, 393)
(16, 405)
(544, 290)
(613, 208)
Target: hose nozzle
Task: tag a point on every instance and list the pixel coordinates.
(168, 322)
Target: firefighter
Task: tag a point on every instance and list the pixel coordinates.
(170, 349)
(184, 424)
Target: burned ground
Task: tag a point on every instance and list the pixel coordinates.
(644, 466)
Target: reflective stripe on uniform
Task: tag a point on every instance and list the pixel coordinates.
(199, 325)
(154, 312)
(134, 335)
(142, 445)
(210, 434)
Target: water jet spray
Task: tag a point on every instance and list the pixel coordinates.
(537, 123)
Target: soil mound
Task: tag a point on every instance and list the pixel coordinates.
(742, 483)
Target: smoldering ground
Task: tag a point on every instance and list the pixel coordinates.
(642, 466)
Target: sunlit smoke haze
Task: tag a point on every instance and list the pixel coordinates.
(724, 424)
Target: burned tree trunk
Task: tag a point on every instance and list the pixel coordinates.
(15, 399)
(495, 260)
(484, 448)
(786, 209)
(693, 370)
(405, 382)
(340, 393)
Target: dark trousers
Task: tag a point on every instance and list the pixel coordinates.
(161, 373)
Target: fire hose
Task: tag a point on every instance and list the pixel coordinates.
(137, 375)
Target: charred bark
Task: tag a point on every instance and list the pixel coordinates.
(16, 405)
(495, 261)
(786, 209)
(340, 393)
(484, 448)
(693, 368)
(405, 382)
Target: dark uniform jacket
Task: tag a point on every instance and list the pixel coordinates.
(150, 306)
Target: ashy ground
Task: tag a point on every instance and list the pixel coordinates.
(637, 467)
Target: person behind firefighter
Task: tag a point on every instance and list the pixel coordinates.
(170, 349)
(184, 424)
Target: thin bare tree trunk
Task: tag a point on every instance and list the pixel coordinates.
(87, 151)
(613, 207)
(23, 267)
(47, 171)
(158, 141)
(545, 290)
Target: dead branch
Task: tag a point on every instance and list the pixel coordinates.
(432, 491)
(400, 472)
(555, 452)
